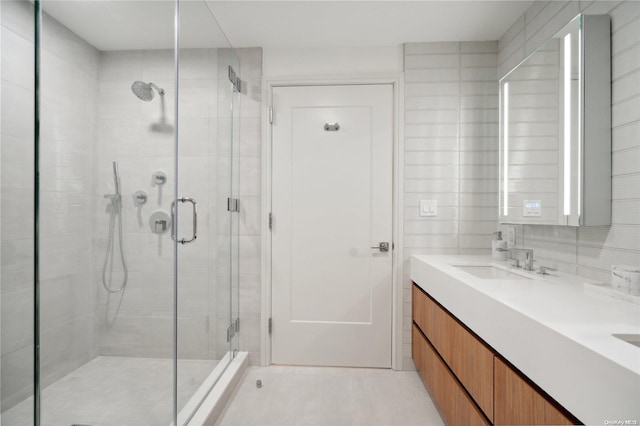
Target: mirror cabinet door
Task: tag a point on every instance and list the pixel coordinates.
(554, 150)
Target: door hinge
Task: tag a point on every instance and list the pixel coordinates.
(270, 325)
(270, 115)
(233, 328)
(230, 332)
(270, 221)
(233, 204)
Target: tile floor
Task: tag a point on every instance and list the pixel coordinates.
(114, 391)
(323, 396)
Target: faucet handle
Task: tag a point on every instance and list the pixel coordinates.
(515, 263)
(543, 270)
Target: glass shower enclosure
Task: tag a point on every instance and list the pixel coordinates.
(119, 179)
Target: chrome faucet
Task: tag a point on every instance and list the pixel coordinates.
(528, 257)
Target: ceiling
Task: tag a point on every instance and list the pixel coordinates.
(147, 24)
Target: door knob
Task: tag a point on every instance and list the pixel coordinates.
(383, 247)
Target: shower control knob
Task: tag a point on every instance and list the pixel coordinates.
(161, 226)
(140, 197)
(160, 222)
(159, 178)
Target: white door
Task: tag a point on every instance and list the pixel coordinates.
(332, 185)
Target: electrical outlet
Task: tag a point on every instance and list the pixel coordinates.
(511, 235)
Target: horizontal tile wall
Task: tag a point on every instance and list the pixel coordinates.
(138, 322)
(590, 252)
(450, 154)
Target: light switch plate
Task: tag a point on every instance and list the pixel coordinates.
(428, 208)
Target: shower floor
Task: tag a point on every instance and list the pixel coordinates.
(115, 391)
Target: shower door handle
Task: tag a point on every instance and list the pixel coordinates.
(194, 204)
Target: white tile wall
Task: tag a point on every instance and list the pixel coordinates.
(69, 72)
(451, 116)
(142, 325)
(250, 201)
(590, 252)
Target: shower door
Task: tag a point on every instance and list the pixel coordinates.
(207, 263)
(119, 254)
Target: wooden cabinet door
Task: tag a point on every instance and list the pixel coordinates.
(469, 359)
(472, 362)
(417, 307)
(519, 403)
(455, 406)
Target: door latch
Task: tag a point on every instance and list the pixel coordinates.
(383, 247)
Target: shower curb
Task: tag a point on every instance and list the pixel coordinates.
(214, 404)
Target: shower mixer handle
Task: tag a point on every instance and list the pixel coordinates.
(194, 204)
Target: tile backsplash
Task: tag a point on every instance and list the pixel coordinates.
(450, 153)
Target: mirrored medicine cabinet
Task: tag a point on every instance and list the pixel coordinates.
(555, 130)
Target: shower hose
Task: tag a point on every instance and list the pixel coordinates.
(116, 210)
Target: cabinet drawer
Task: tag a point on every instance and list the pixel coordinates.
(519, 403)
(455, 406)
(469, 358)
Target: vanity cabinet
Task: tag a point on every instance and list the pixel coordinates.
(455, 405)
(519, 403)
(469, 381)
(468, 358)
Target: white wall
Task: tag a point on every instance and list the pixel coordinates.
(450, 153)
(69, 84)
(591, 251)
(336, 62)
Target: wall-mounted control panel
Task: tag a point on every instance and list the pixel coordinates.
(532, 208)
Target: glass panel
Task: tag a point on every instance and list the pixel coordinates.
(235, 193)
(17, 211)
(107, 183)
(106, 254)
(205, 154)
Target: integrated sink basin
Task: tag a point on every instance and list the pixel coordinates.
(488, 272)
(634, 339)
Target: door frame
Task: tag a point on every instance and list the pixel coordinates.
(397, 315)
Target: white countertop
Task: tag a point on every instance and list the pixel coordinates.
(554, 329)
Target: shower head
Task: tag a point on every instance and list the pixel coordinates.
(144, 91)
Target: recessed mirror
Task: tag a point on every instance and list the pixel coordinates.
(555, 130)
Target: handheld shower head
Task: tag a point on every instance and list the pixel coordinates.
(144, 91)
(116, 178)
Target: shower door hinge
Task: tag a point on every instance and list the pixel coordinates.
(230, 332)
(235, 80)
(270, 221)
(270, 115)
(233, 329)
(233, 205)
(270, 325)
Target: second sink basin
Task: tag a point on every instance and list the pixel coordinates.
(488, 272)
(634, 339)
